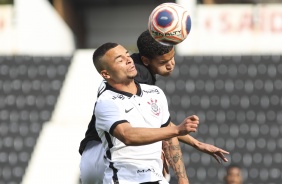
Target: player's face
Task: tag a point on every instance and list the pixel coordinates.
(163, 65)
(121, 67)
(234, 176)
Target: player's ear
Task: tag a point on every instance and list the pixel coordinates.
(105, 74)
(145, 60)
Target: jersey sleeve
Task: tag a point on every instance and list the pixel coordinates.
(108, 116)
(102, 87)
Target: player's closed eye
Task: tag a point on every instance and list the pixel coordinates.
(163, 62)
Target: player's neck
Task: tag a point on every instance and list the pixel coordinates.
(126, 87)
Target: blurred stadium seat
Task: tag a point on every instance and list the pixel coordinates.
(29, 89)
(238, 100)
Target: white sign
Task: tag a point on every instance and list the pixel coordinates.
(34, 27)
(6, 29)
(234, 29)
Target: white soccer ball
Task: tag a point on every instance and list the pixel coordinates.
(169, 23)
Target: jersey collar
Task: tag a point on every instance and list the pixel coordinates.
(139, 91)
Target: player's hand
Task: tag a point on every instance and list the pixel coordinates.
(190, 124)
(214, 151)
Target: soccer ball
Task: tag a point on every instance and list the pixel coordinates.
(169, 23)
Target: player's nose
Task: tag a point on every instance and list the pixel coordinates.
(170, 65)
(129, 60)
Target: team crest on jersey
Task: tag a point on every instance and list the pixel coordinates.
(154, 107)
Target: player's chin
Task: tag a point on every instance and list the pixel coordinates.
(132, 76)
(165, 74)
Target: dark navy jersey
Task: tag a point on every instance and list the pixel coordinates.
(91, 134)
(144, 76)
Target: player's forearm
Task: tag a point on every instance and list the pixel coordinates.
(187, 139)
(142, 136)
(174, 156)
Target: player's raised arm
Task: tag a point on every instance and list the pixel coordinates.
(133, 136)
(174, 158)
(217, 153)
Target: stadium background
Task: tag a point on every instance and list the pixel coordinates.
(228, 72)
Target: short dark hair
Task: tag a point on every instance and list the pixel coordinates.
(99, 53)
(149, 47)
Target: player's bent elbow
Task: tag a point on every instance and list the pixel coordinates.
(130, 143)
(127, 140)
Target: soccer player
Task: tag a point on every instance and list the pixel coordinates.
(233, 175)
(153, 59)
(157, 59)
(132, 119)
